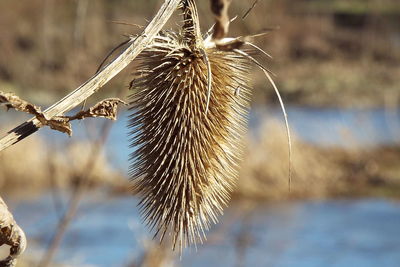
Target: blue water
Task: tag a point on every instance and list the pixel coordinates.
(323, 127)
(108, 232)
(337, 127)
(319, 126)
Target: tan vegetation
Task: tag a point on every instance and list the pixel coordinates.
(346, 58)
(318, 172)
(34, 165)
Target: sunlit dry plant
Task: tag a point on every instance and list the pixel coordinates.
(189, 108)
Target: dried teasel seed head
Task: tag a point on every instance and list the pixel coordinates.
(189, 109)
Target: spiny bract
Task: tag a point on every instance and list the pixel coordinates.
(185, 161)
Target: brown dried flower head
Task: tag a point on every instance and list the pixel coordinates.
(189, 107)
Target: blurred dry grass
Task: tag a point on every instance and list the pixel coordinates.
(326, 52)
(318, 172)
(264, 173)
(32, 164)
(156, 255)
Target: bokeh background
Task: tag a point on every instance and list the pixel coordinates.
(337, 65)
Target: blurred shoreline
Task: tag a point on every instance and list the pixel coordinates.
(336, 154)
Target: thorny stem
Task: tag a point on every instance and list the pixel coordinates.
(191, 24)
(193, 38)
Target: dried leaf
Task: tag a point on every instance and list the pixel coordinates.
(11, 100)
(10, 234)
(60, 124)
(105, 109)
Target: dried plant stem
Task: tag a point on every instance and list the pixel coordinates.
(106, 109)
(98, 80)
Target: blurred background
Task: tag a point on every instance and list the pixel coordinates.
(337, 65)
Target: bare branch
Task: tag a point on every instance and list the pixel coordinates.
(10, 234)
(98, 80)
(107, 108)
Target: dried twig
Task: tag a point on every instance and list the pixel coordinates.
(98, 80)
(106, 108)
(10, 234)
